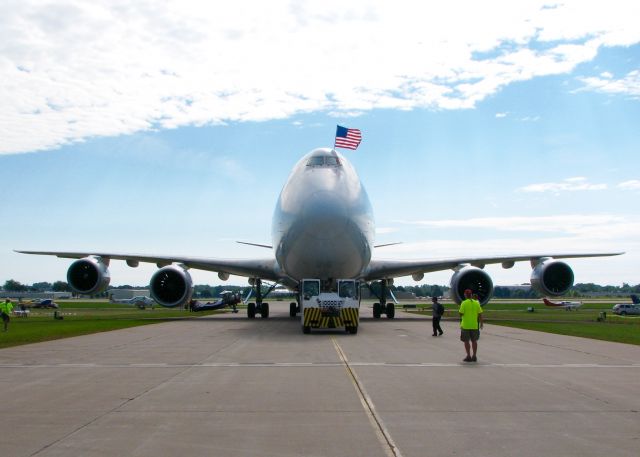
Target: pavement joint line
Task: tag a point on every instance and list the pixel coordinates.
(383, 435)
(312, 365)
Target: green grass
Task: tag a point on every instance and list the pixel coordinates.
(82, 318)
(583, 322)
(606, 331)
(85, 317)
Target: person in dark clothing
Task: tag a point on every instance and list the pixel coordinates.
(437, 310)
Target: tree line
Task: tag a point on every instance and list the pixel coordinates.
(422, 290)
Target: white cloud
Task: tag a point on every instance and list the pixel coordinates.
(633, 184)
(501, 115)
(529, 235)
(75, 69)
(593, 226)
(629, 85)
(568, 185)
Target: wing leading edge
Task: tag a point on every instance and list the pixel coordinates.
(252, 268)
(381, 269)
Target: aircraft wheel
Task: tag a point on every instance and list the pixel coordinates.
(251, 310)
(377, 310)
(293, 309)
(264, 310)
(391, 311)
(306, 329)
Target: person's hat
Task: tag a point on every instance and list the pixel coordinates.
(434, 298)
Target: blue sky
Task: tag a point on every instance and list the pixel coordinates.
(173, 130)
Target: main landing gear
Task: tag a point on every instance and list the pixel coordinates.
(383, 307)
(259, 307)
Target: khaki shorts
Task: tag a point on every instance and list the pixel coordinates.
(469, 335)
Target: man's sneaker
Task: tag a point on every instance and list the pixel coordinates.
(474, 359)
(440, 333)
(467, 359)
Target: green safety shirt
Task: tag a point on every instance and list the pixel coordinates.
(6, 307)
(470, 309)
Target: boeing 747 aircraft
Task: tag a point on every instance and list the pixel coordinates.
(323, 238)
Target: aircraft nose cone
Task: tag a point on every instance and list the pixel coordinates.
(325, 216)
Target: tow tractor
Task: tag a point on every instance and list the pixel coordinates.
(330, 304)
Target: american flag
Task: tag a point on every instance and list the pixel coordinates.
(347, 138)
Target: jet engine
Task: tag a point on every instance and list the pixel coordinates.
(171, 286)
(552, 277)
(476, 279)
(88, 276)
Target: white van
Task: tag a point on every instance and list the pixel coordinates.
(623, 309)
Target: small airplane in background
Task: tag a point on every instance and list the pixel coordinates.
(567, 305)
(227, 298)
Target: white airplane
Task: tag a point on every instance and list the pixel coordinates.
(567, 305)
(322, 228)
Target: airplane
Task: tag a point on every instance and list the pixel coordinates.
(567, 305)
(227, 298)
(322, 228)
(140, 301)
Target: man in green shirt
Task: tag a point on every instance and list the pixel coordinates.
(5, 310)
(470, 319)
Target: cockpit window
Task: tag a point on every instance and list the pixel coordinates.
(316, 161)
(323, 161)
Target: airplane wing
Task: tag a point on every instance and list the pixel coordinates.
(380, 269)
(258, 268)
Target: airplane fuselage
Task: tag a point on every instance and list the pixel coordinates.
(323, 222)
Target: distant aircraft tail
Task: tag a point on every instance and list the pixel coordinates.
(550, 303)
(635, 300)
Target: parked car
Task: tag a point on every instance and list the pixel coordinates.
(142, 301)
(46, 303)
(623, 309)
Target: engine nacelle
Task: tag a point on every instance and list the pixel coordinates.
(171, 286)
(552, 277)
(88, 276)
(473, 278)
